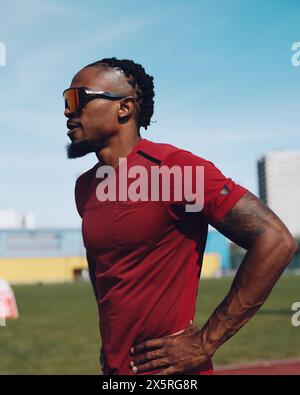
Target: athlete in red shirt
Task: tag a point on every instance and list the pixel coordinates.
(145, 255)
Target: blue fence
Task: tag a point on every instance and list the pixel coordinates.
(68, 242)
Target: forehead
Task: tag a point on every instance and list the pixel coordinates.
(98, 78)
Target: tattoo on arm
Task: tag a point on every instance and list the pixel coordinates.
(253, 226)
(246, 221)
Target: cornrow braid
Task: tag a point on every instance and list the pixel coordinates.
(141, 82)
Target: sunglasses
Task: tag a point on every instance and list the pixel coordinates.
(77, 98)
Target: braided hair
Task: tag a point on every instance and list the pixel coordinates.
(141, 82)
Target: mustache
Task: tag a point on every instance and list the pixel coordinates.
(77, 149)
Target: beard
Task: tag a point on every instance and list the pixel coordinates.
(77, 149)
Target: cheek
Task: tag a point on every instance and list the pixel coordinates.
(99, 117)
(89, 124)
(98, 127)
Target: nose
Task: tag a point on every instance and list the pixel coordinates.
(67, 112)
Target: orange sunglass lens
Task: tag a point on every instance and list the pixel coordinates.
(71, 99)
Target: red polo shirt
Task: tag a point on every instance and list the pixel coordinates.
(148, 254)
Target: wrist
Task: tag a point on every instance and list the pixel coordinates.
(207, 347)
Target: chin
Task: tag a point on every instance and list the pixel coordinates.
(80, 148)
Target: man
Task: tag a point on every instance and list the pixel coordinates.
(145, 256)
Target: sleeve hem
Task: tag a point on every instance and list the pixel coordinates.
(228, 204)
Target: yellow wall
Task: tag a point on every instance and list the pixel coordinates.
(211, 265)
(60, 269)
(43, 270)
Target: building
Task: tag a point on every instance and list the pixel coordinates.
(13, 219)
(30, 256)
(41, 255)
(279, 185)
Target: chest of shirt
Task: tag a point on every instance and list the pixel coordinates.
(124, 225)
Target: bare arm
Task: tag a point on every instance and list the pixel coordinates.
(270, 247)
(92, 273)
(253, 226)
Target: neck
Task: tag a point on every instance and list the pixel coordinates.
(118, 146)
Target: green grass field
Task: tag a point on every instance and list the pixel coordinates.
(57, 332)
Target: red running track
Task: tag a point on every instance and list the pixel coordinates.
(285, 367)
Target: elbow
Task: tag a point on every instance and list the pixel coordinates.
(281, 244)
(293, 246)
(288, 244)
(281, 238)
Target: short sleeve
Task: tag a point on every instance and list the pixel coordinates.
(220, 193)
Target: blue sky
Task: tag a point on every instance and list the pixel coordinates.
(225, 87)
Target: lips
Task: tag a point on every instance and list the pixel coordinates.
(72, 125)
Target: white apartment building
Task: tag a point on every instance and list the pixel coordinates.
(279, 185)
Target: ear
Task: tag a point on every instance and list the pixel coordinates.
(126, 107)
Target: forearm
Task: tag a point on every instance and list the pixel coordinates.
(262, 266)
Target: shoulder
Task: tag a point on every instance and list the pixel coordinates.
(176, 155)
(87, 176)
(84, 182)
(165, 152)
(171, 155)
(82, 186)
